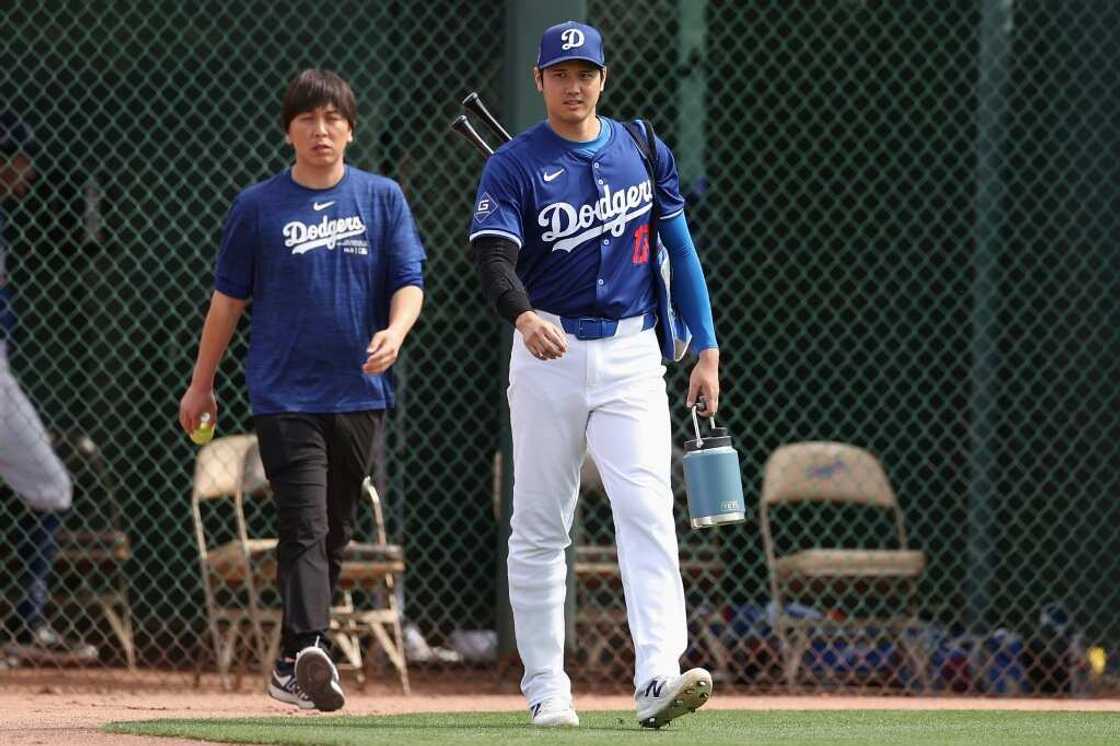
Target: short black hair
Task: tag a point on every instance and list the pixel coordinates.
(313, 88)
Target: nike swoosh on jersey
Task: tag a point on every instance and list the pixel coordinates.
(550, 177)
(322, 205)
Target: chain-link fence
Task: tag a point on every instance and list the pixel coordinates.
(907, 216)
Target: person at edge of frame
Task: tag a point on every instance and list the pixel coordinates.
(330, 257)
(561, 238)
(28, 463)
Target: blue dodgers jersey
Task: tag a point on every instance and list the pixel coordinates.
(321, 267)
(581, 221)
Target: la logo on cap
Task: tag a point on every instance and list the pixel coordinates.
(572, 38)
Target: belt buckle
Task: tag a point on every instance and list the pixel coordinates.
(594, 328)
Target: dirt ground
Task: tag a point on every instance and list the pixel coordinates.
(37, 711)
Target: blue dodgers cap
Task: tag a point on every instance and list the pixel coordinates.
(15, 135)
(571, 40)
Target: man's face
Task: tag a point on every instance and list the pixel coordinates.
(16, 176)
(320, 136)
(571, 89)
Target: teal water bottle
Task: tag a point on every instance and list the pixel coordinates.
(712, 478)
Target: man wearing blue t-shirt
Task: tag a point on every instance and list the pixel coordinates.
(330, 257)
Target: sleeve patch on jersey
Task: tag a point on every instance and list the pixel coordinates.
(485, 207)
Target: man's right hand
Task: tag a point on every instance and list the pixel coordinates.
(544, 340)
(194, 402)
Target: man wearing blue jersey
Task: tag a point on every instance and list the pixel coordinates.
(330, 257)
(561, 238)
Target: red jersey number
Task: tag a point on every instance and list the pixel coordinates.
(641, 244)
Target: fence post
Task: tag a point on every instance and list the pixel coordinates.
(991, 138)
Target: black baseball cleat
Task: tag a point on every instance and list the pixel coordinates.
(662, 700)
(318, 678)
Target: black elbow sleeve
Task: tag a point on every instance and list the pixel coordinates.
(496, 261)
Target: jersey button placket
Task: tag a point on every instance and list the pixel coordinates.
(600, 289)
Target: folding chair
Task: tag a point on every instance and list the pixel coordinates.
(234, 567)
(371, 572)
(858, 559)
(239, 571)
(93, 546)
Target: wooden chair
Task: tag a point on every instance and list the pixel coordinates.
(234, 567)
(93, 546)
(241, 571)
(371, 572)
(874, 570)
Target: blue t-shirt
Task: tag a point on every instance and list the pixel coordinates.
(581, 219)
(321, 266)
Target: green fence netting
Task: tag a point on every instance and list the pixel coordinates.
(908, 218)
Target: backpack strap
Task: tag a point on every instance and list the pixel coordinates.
(642, 134)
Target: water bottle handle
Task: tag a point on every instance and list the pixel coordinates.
(696, 422)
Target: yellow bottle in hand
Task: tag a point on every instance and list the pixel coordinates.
(205, 430)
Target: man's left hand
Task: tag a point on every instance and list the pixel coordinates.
(704, 382)
(382, 351)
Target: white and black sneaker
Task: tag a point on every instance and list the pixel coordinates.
(554, 712)
(45, 645)
(664, 699)
(318, 678)
(282, 685)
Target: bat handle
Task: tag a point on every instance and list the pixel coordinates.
(463, 126)
(473, 103)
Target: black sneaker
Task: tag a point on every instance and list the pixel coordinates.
(282, 685)
(318, 677)
(44, 645)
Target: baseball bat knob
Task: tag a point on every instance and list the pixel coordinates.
(463, 126)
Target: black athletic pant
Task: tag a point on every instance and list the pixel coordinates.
(315, 464)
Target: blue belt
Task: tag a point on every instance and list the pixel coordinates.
(586, 327)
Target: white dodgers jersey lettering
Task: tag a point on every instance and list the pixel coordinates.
(566, 227)
(301, 237)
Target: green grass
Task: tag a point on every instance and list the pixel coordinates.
(712, 728)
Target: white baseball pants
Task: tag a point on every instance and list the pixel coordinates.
(27, 462)
(606, 396)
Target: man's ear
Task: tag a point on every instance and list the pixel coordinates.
(604, 86)
(538, 79)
